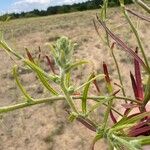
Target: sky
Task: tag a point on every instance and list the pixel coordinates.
(7, 6)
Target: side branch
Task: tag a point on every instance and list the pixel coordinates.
(52, 99)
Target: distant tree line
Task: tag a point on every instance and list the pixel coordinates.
(89, 5)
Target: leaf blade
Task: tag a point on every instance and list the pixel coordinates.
(84, 95)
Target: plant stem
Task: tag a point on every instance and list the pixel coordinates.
(114, 110)
(143, 5)
(66, 93)
(136, 35)
(118, 70)
(129, 99)
(43, 100)
(104, 19)
(106, 115)
(100, 76)
(56, 98)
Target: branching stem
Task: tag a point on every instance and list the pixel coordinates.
(56, 98)
(66, 93)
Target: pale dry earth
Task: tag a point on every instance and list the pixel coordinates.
(46, 127)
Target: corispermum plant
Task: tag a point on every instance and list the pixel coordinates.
(129, 130)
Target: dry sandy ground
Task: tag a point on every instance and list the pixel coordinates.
(46, 127)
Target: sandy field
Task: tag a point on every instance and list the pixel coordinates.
(46, 126)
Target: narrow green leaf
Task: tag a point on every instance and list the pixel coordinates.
(132, 120)
(52, 49)
(5, 46)
(143, 5)
(126, 143)
(85, 93)
(41, 74)
(147, 92)
(98, 104)
(76, 64)
(98, 137)
(100, 76)
(137, 117)
(28, 97)
(46, 84)
(38, 70)
(142, 140)
(67, 79)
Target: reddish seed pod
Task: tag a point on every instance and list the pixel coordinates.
(138, 78)
(142, 128)
(87, 124)
(29, 55)
(121, 43)
(96, 85)
(113, 117)
(107, 78)
(50, 64)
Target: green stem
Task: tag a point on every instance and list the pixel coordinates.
(136, 35)
(114, 110)
(56, 98)
(128, 99)
(23, 90)
(31, 103)
(100, 76)
(9, 50)
(43, 100)
(143, 5)
(109, 106)
(119, 74)
(104, 19)
(66, 93)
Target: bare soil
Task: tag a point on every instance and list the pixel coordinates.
(46, 126)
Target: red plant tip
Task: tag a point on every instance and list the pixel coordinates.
(117, 85)
(136, 50)
(29, 55)
(138, 78)
(145, 130)
(86, 123)
(39, 49)
(76, 93)
(135, 90)
(134, 86)
(142, 128)
(96, 85)
(116, 92)
(112, 46)
(113, 117)
(39, 56)
(50, 64)
(107, 78)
